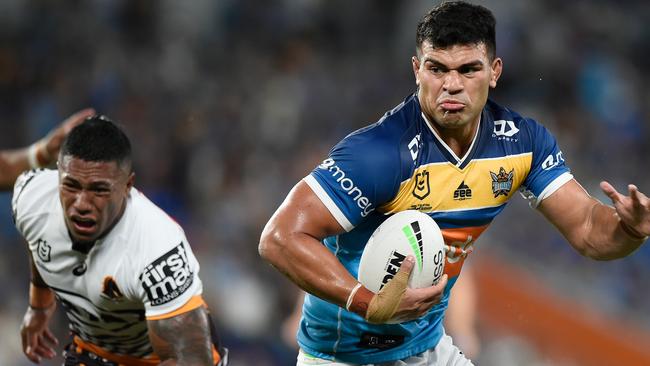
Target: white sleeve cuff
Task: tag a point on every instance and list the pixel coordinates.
(551, 188)
(329, 203)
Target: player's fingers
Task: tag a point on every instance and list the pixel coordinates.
(50, 338)
(33, 357)
(45, 352)
(29, 348)
(610, 191)
(407, 265)
(32, 341)
(635, 195)
(442, 283)
(431, 294)
(77, 118)
(438, 289)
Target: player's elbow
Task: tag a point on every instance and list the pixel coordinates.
(602, 252)
(271, 243)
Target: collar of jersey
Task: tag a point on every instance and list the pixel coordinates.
(458, 162)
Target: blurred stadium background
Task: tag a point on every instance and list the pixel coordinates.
(229, 103)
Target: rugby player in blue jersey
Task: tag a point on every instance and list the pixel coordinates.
(446, 150)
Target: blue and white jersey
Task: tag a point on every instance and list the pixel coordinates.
(400, 163)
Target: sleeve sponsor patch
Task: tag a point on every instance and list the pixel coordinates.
(168, 277)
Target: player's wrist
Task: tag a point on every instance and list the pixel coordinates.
(359, 300)
(41, 298)
(631, 232)
(37, 155)
(42, 308)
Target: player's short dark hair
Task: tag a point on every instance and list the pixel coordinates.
(458, 23)
(98, 139)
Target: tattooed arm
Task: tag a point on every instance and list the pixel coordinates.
(183, 339)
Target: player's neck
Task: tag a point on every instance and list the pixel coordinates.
(83, 246)
(460, 139)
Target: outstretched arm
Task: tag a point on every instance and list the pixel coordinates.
(40, 154)
(597, 230)
(182, 339)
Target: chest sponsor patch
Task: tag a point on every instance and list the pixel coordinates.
(168, 277)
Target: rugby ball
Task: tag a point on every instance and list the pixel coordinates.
(406, 232)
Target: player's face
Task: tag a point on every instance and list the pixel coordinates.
(454, 83)
(93, 196)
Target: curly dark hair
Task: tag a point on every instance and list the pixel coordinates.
(457, 23)
(98, 139)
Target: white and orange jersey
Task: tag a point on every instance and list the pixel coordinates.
(142, 269)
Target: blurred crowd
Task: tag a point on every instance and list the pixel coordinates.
(229, 103)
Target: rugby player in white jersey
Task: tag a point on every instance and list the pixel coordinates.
(445, 141)
(121, 268)
(39, 154)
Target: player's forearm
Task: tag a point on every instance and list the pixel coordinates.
(12, 163)
(308, 263)
(183, 339)
(607, 237)
(41, 298)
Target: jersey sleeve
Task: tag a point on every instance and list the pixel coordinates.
(360, 173)
(29, 191)
(549, 170)
(169, 282)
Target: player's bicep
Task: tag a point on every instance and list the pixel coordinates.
(303, 212)
(569, 209)
(184, 338)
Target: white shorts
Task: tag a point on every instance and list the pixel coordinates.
(443, 354)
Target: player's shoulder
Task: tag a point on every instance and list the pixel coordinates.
(506, 122)
(392, 125)
(383, 138)
(502, 113)
(149, 218)
(32, 190)
(155, 231)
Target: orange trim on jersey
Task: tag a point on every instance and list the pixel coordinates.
(460, 242)
(122, 360)
(193, 303)
(216, 357)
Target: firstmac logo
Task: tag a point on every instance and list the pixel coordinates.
(168, 277)
(348, 186)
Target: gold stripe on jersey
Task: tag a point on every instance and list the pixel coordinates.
(432, 186)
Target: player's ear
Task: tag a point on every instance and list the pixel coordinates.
(130, 182)
(497, 67)
(415, 61)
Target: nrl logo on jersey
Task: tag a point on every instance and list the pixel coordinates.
(43, 249)
(422, 188)
(502, 182)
